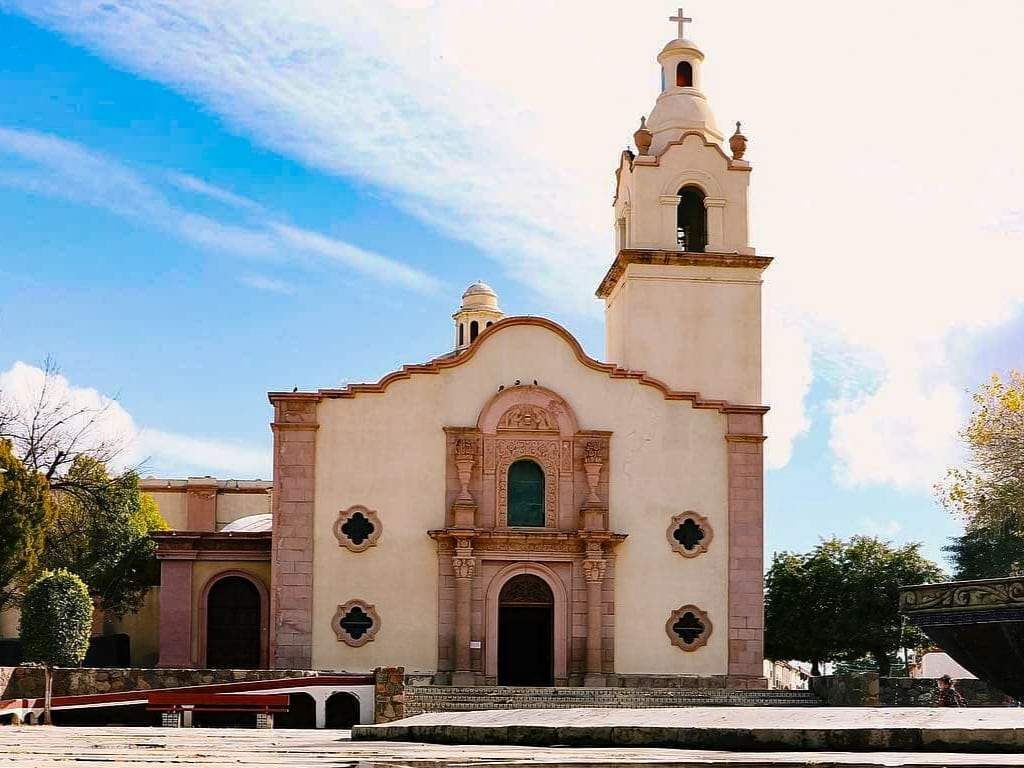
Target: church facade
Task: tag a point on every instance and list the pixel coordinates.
(516, 512)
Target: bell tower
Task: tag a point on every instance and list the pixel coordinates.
(683, 295)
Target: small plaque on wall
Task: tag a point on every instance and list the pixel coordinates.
(475, 645)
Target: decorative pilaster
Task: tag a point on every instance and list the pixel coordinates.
(593, 570)
(594, 510)
(715, 207)
(464, 508)
(464, 567)
(175, 613)
(291, 564)
(744, 442)
(201, 504)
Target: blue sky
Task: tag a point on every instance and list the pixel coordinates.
(200, 204)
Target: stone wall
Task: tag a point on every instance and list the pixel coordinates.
(870, 690)
(389, 694)
(27, 682)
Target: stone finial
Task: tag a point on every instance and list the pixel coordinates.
(738, 143)
(643, 137)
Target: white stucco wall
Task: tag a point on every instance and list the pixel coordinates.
(386, 451)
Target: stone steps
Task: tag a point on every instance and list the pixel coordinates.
(420, 699)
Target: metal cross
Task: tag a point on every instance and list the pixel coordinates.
(681, 20)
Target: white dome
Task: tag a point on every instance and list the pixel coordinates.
(250, 524)
(479, 294)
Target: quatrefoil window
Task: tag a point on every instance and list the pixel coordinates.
(357, 528)
(690, 534)
(355, 623)
(688, 628)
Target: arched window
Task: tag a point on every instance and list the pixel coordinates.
(474, 331)
(684, 74)
(525, 494)
(489, 323)
(462, 334)
(691, 220)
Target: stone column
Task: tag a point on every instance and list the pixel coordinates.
(593, 571)
(464, 566)
(715, 207)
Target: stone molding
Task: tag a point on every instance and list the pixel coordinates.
(561, 615)
(701, 640)
(978, 594)
(345, 515)
(701, 522)
(613, 371)
(343, 635)
(629, 256)
(208, 545)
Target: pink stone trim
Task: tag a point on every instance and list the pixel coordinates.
(291, 575)
(508, 401)
(345, 637)
(702, 522)
(175, 613)
(345, 515)
(264, 613)
(701, 640)
(561, 615)
(744, 446)
(201, 504)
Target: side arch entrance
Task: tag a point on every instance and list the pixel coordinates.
(526, 632)
(233, 629)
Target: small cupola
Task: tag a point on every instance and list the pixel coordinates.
(681, 105)
(479, 310)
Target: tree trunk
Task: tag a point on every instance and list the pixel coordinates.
(884, 666)
(47, 693)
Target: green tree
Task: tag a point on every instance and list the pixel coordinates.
(797, 590)
(25, 514)
(840, 601)
(101, 533)
(988, 493)
(56, 617)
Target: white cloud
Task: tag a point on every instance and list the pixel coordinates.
(202, 455)
(51, 166)
(191, 184)
(267, 284)
(165, 453)
(901, 434)
(880, 160)
(358, 259)
(787, 378)
(883, 529)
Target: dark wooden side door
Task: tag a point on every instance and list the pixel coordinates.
(233, 624)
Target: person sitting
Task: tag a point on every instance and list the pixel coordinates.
(948, 695)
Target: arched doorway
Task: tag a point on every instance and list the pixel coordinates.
(526, 632)
(342, 711)
(233, 624)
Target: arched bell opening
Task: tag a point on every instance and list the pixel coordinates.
(691, 220)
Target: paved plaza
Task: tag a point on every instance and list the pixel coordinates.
(43, 747)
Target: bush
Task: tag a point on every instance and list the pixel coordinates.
(56, 619)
